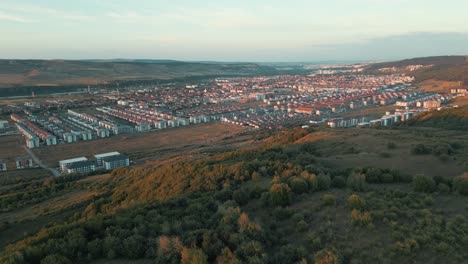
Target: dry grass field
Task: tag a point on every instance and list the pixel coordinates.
(351, 148)
(436, 86)
(149, 146)
(10, 149)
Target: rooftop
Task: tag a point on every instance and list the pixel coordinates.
(73, 160)
(103, 155)
(114, 158)
(80, 164)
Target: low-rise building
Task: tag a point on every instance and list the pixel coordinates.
(65, 163)
(4, 124)
(114, 162)
(81, 167)
(100, 157)
(24, 162)
(3, 166)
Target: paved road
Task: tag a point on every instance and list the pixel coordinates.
(40, 163)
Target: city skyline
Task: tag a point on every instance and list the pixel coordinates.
(263, 31)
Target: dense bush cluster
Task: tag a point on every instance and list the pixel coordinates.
(274, 205)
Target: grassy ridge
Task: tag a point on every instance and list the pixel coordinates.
(63, 72)
(446, 68)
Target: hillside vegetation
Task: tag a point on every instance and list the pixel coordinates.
(446, 68)
(453, 118)
(272, 204)
(66, 72)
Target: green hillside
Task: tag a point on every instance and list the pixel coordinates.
(279, 203)
(454, 118)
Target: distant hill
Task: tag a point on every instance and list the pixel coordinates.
(65, 72)
(445, 68)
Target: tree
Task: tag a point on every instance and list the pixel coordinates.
(193, 256)
(460, 184)
(280, 194)
(328, 199)
(423, 183)
(227, 257)
(55, 259)
(360, 218)
(338, 182)
(134, 246)
(373, 175)
(324, 181)
(298, 185)
(241, 197)
(246, 225)
(357, 182)
(326, 256)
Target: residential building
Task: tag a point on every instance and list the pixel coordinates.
(100, 157)
(3, 166)
(24, 162)
(65, 163)
(114, 162)
(81, 167)
(3, 124)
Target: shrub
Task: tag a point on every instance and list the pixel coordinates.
(423, 183)
(444, 158)
(355, 202)
(357, 182)
(443, 188)
(360, 218)
(241, 197)
(324, 181)
(280, 194)
(193, 256)
(326, 256)
(373, 175)
(328, 199)
(338, 182)
(301, 226)
(55, 259)
(385, 155)
(298, 185)
(386, 178)
(420, 149)
(460, 184)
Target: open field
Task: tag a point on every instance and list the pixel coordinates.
(142, 147)
(460, 101)
(351, 148)
(31, 218)
(11, 147)
(42, 99)
(372, 112)
(436, 86)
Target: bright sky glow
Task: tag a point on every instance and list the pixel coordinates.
(241, 30)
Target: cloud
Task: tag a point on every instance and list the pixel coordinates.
(29, 10)
(13, 18)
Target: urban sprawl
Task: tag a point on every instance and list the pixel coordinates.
(268, 102)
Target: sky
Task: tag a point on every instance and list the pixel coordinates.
(236, 30)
